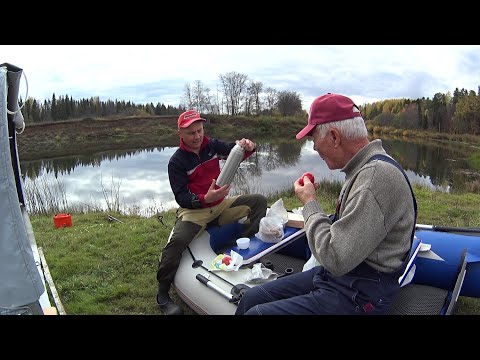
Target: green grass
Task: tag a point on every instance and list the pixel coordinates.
(474, 161)
(104, 267)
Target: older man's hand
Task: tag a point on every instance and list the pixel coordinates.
(307, 192)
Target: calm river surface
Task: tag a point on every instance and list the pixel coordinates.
(138, 179)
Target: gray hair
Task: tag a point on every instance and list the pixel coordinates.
(352, 129)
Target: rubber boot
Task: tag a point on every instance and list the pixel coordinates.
(165, 303)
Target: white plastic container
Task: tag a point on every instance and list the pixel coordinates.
(243, 243)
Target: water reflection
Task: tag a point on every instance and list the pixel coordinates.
(440, 165)
(141, 178)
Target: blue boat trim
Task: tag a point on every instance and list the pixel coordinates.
(221, 236)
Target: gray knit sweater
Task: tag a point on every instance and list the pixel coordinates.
(375, 222)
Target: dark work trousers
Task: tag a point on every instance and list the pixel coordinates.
(317, 292)
(191, 223)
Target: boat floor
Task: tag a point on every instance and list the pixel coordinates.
(282, 262)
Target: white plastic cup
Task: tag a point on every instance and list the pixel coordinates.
(243, 243)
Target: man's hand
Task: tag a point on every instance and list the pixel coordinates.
(214, 195)
(306, 192)
(247, 144)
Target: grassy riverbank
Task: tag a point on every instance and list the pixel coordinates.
(107, 267)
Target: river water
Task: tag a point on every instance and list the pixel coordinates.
(137, 180)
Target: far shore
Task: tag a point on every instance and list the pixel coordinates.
(91, 135)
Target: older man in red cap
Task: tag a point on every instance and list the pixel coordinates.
(193, 170)
(363, 249)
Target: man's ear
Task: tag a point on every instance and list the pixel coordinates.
(335, 136)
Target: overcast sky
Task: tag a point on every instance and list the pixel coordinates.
(159, 73)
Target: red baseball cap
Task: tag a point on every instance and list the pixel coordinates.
(188, 117)
(328, 108)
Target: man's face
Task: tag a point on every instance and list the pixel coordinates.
(193, 135)
(325, 147)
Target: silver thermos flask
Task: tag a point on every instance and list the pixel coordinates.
(231, 165)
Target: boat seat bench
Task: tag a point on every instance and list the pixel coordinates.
(294, 243)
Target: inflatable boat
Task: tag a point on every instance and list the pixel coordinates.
(444, 264)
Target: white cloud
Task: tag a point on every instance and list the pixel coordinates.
(158, 73)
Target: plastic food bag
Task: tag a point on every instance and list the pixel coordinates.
(270, 229)
(278, 209)
(226, 262)
(271, 226)
(260, 274)
(298, 210)
(312, 262)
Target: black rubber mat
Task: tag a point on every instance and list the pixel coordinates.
(414, 299)
(282, 262)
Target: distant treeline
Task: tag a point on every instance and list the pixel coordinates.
(458, 114)
(66, 108)
(239, 95)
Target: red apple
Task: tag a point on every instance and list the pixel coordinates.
(309, 175)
